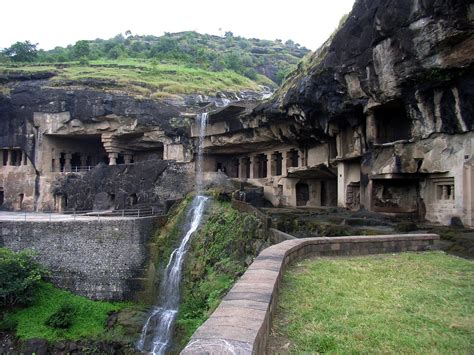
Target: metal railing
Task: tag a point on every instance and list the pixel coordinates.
(141, 212)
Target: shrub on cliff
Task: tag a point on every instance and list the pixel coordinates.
(20, 275)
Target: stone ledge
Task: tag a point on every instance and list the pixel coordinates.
(241, 323)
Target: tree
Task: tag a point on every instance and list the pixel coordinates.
(22, 51)
(228, 34)
(81, 49)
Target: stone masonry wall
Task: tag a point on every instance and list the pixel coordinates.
(97, 259)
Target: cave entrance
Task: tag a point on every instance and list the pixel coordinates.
(132, 199)
(302, 194)
(19, 201)
(392, 122)
(60, 202)
(2, 196)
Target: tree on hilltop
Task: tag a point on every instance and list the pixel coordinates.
(22, 51)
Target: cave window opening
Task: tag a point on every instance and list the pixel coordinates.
(62, 161)
(5, 157)
(120, 159)
(246, 168)
(219, 167)
(277, 164)
(445, 191)
(14, 160)
(89, 161)
(236, 168)
(392, 122)
(260, 171)
(2, 196)
(292, 158)
(75, 161)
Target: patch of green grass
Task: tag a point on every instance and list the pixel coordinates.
(145, 78)
(406, 303)
(88, 317)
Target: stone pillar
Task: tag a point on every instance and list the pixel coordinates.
(339, 146)
(67, 162)
(302, 158)
(444, 195)
(252, 166)
(241, 168)
(341, 184)
(113, 158)
(25, 159)
(371, 128)
(284, 169)
(9, 157)
(55, 163)
(127, 158)
(270, 173)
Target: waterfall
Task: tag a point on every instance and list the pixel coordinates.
(157, 332)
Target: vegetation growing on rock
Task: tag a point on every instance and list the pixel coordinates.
(220, 252)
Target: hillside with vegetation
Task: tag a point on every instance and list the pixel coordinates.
(175, 63)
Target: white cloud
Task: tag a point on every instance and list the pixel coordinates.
(54, 22)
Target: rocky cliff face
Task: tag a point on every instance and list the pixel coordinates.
(419, 51)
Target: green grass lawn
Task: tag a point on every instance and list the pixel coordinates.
(88, 321)
(405, 303)
(146, 78)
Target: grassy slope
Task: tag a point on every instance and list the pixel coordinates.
(88, 322)
(407, 303)
(145, 78)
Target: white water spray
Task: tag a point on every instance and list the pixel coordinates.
(157, 332)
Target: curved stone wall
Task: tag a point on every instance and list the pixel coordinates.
(241, 323)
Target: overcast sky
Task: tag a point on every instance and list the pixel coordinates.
(60, 22)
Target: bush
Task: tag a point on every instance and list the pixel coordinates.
(62, 318)
(8, 325)
(19, 277)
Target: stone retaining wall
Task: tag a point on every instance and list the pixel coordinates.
(241, 323)
(97, 259)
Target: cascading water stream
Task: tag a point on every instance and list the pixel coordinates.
(157, 332)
